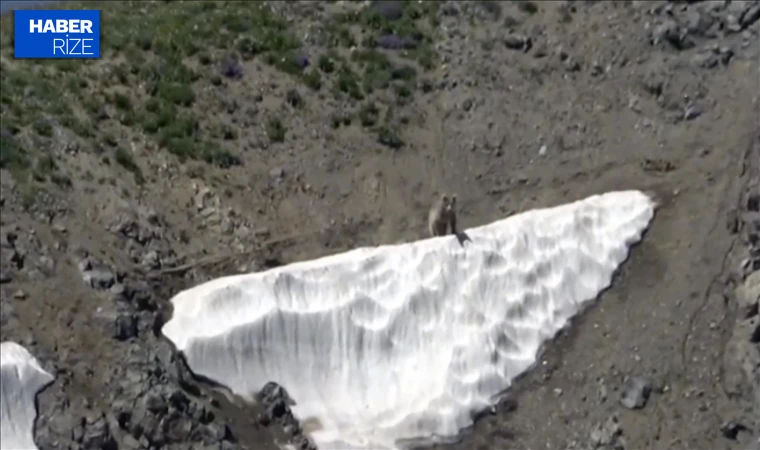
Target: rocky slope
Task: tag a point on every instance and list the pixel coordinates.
(216, 138)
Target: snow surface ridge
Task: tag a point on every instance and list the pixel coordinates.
(382, 345)
(21, 377)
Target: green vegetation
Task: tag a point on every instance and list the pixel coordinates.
(276, 130)
(124, 159)
(160, 60)
(527, 6)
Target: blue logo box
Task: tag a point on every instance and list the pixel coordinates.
(56, 33)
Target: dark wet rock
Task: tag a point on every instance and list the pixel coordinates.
(125, 327)
(389, 10)
(394, 42)
(518, 42)
(273, 392)
(231, 68)
(276, 410)
(732, 428)
(636, 393)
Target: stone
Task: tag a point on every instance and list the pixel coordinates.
(731, 429)
(125, 327)
(605, 435)
(636, 393)
(100, 277)
(518, 42)
(747, 296)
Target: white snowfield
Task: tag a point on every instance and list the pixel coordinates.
(21, 377)
(381, 345)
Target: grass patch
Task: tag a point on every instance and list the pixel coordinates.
(12, 156)
(527, 6)
(276, 130)
(124, 159)
(369, 114)
(347, 81)
(389, 137)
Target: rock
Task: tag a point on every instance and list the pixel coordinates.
(726, 54)
(741, 359)
(8, 239)
(753, 202)
(705, 60)
(277, 409)
(518, 42)
(125, 327)
(636, 393)
(277, 172)
(667, 31)
(155, 403)
(100, 277)
(5, 276)
(390, 10)
(151, 260)
(467, 104)
(607, 434)
(272, 392)
(747, 295)
(693, 111)
(177, 428)
(46, 265)
(731, 429)
(179, 401)
(97, 435)
(750, 16)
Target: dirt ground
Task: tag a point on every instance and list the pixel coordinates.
(528, 105)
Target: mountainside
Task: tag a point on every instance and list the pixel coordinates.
(215, 138)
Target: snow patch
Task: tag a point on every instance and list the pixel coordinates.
(21, 377)
(385, 344)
